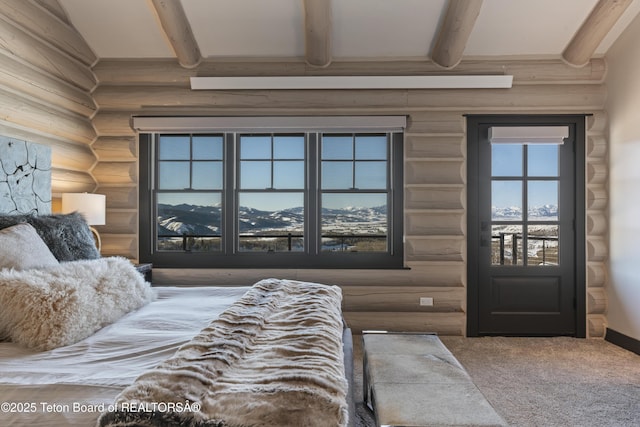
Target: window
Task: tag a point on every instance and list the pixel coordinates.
(290, 199)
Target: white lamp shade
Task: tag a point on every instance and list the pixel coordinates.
(91, 206)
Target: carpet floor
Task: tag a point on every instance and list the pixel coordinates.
(543, 381)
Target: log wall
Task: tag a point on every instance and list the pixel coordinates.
(45, 90)
(435, 169)
(53, 91)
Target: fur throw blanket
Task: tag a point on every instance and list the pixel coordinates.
(273, 358)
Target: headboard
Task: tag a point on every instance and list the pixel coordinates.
(25, 177)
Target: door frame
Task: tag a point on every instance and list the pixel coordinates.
(473, 218)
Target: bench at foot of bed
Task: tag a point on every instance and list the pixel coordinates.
(413, 380)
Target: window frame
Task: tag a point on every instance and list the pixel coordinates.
(230, 256)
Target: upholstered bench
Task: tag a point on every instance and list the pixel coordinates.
(413, 380)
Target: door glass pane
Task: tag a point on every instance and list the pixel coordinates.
(271, 222)
(188, 221)
(542, 159)
(506, 245)
(506, 159)
(337, 175)
(173, 175)
(371, 147)
(506, 200)
(337, 148)
(543, 200)
(174, 147)
(354, 222)
(255, 175)
(371, 175)
(255, 147)
(207, 175)
(543, 245)
(288, 175)
(207, 147)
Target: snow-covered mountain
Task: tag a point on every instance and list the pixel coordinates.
(202, 220)
(546, 212)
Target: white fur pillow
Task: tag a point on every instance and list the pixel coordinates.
(57, 306)
(21, 248)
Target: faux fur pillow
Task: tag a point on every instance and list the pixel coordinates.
(67, 235)
(21, 248)
(52, 307)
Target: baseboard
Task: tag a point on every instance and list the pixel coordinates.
(622, 340)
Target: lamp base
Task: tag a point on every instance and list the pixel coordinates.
(96, 236)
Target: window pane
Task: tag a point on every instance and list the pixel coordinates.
(506, 159)
(354, 222)
(337, 175)
(174, 147)
(371, 147)
(188, 221)
(288, 175)
(506, 245)
(543, 200)
(288, 147)
(371, 175)
(337, 147)
(207, 147)
(542, 159)
(207, 176)
(506, 200)
(255, 175)
(266, 219)
(255, 147)
(173, 175)
(543, 245)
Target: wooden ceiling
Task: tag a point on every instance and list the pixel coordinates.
(322, 31)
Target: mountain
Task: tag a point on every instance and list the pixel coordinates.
(175, 220)
(546, 212)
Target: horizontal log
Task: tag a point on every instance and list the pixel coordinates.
(436, 122)
(119, 245)
(38, 117)
(443, 248)
(596, 326)
(596, 147)
(69, 181)
(53, 7)
(434, 146)
(597, 249)
(596, 301)
(596, 223)
(120, 197)
(597, 197)
(41, 23)
(440, 323)
(115, 172)
(113, 123)
(596, 274)
(168, 72)
(119, 222)
(436, 275)
(115, 148)
(597, 172)
(65, 154)
(540, 97)
(20, 78)
(402, 298)
(435, 223)
(15, 42)
(434, 197)
(597, 122)
(434, 171)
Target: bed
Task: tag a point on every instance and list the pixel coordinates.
(272, 353)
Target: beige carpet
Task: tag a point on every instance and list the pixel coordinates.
(544, 381)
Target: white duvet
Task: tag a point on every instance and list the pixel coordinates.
(69, 386)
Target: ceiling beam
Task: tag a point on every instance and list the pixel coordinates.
(454, 32)
(317, 32)
(593, 30)
(177, 29)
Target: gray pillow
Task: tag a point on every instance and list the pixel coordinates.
(67, 235)
(21, 248)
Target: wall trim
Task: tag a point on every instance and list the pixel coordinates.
(622, 340)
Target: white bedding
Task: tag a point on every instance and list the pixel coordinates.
(65, 386)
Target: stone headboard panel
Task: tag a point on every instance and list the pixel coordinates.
(25, 177)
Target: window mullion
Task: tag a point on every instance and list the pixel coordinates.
(312, 195)
(229, 219)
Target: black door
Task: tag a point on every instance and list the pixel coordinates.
(526, 250)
